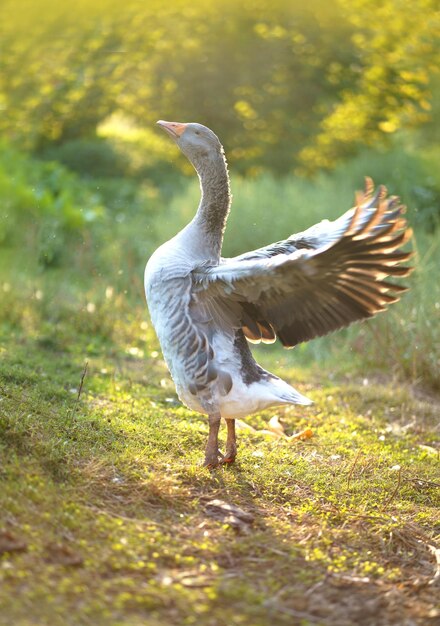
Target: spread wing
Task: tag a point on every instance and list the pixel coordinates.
(317, 281)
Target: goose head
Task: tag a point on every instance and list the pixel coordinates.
(197, 142)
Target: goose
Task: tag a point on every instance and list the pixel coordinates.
(206, 308)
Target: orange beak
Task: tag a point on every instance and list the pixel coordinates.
(175, 129)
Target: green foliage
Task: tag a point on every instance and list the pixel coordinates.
(61, 219)
(397, 53)
(298, 203)
(43, 205)
(90, 158)
(285, 84)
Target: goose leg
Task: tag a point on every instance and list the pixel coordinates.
(231, 443)
(212, 453)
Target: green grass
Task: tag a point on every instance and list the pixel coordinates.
(103, 500)
(103, 517)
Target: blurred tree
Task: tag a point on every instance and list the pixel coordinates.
(283, 83)
(57, 72)
(397, 48)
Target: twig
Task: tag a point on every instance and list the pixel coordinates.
(311, 590)
(428, 483)
(353, 468)
(291, 612)
(134, 520)
(82, 380)
(396, 489)
(80, 388)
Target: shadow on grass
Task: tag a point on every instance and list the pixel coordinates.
(114, 480)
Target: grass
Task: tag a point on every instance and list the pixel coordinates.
(103, 516)
(103, 501)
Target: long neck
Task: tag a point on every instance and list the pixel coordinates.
(215, 202)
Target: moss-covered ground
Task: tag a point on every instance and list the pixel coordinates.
(103, 516)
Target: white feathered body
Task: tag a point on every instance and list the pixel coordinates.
(209, 362)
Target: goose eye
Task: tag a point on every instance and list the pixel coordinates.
(197, 132)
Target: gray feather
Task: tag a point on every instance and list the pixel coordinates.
(317, 281)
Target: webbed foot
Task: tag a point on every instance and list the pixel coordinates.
(213, 459)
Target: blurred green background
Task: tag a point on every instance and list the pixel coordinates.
(307, 98)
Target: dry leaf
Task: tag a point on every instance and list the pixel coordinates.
(62, 554)
(220, 508)
(436, 578)
(230, 514)
(271, 433)
(275, 425)
(10, 543)
(429, 449)
(301, 436)
(243, 426)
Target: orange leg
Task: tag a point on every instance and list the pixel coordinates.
(212, 453)
(231, 443)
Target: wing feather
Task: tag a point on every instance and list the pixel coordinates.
(318, 281)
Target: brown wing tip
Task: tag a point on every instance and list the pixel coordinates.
(382, 193)
(369, 186)
(250, 335)
(359, 198)
(370, 198)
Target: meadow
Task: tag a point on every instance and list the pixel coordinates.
(107, 516)
(105, 504)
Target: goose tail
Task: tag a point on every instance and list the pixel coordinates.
(295, 397)
(289, 394)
